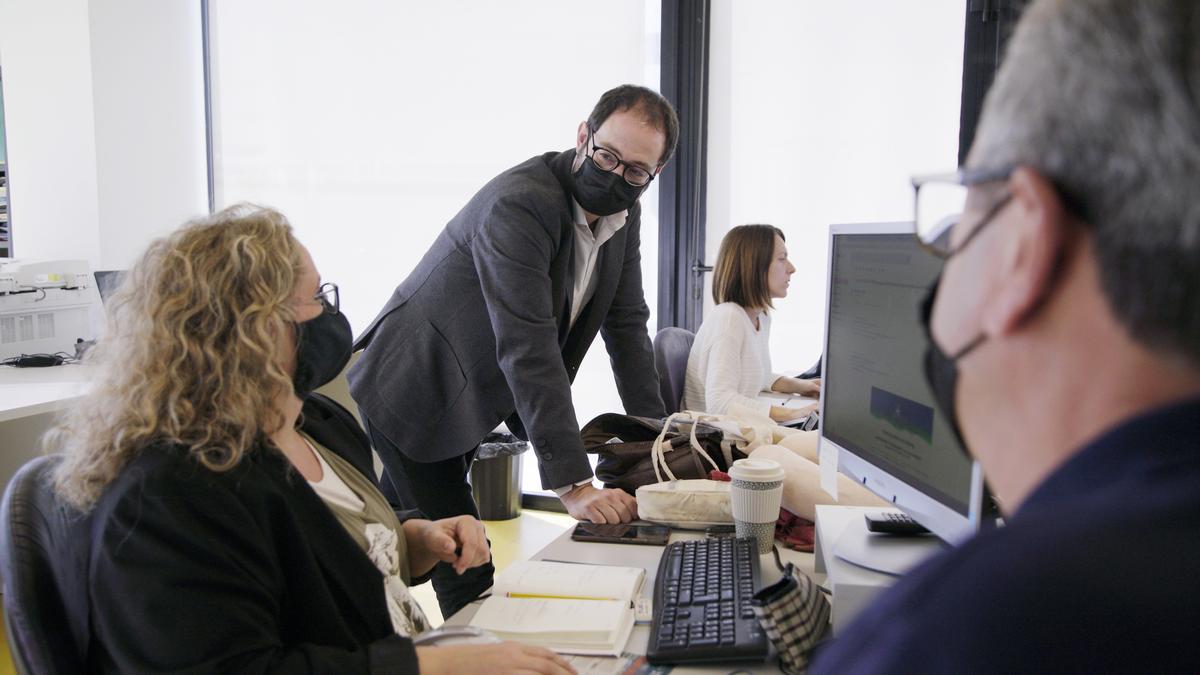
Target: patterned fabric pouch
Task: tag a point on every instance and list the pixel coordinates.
(794, 613)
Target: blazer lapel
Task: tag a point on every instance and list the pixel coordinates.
(562, 268)
(562, 280)
(355, 577)
(332, 427)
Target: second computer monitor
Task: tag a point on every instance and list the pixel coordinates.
(877, 409)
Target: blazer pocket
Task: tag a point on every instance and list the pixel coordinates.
(425, 376)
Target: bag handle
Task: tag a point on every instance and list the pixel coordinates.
(657, 455)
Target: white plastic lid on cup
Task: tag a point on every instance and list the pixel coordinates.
(756, 470)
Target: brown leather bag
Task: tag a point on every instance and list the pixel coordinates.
(624, 444)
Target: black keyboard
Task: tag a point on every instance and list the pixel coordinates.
(702, 611)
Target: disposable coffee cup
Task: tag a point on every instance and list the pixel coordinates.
(755, 497)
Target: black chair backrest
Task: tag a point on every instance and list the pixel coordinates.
(43, 560)
(671, 348)
(815, 371)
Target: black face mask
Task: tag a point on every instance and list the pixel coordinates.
(941, 369)
(602, 193)
(323, 347)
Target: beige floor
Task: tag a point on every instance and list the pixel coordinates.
(6, 664)
(512, 540)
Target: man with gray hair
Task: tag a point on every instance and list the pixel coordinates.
(1065, 349)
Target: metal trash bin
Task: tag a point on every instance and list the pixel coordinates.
(496, 476)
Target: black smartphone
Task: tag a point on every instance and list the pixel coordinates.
(623, 533)
(720, 531)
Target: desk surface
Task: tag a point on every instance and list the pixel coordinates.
(563, 549)
(31, 391)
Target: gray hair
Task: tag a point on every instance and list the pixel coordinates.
(1103, 98)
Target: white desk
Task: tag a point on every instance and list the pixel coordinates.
(29, 399)
(563, 549)
(854, 586)
(31, 391)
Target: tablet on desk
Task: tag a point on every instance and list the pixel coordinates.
(622, 533)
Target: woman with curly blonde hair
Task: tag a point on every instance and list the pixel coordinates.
(234, 518)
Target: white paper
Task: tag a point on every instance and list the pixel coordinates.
(605, 665)
(594, 618)
(569, 580)
(827, 457)
(597, 627)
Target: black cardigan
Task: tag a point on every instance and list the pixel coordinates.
(243, 571)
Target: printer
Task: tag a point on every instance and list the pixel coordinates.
(46, 306)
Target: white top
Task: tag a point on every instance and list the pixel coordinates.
(730, 363)
(332, 489)
(587, 251)
(382, 549)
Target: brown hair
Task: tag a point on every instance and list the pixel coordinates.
(742, 264)
(188, 356)
(655, 109)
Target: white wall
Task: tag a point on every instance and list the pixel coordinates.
(148, 84)
(45, 51)
(371, 124)
(819, 112)
(105, 124)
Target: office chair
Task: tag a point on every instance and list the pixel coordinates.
(43, 559)
(815, 371)
(671, 348)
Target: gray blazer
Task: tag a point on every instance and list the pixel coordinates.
(479, 329)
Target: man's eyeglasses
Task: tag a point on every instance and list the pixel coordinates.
(327, 295)
(607, 160)
(939, 202)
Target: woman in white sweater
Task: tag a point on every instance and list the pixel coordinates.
(730, 361)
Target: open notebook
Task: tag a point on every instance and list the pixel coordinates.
(570, 608)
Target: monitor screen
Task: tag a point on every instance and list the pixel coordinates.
(877, 408)
(107, 282)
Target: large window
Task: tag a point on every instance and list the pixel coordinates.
(818, 113)
(370, 124)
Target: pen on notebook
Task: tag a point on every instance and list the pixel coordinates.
(580, 562)
(558, 597)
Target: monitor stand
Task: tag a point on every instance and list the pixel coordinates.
(841, 533)
(887, 553)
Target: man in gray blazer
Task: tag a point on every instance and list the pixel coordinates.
(494, 321)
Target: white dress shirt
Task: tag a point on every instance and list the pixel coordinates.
(587, 251)
(730, 363)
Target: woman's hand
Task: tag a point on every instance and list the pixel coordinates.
(791, 385)
(504, 657)
(460, 540)
(781, 414)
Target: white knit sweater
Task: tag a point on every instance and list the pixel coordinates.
(730, 362)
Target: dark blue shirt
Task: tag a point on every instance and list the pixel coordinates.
(1098, 571)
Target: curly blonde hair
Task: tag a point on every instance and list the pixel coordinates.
(189, 356)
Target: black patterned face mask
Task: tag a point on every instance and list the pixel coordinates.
(603, 193)
(941, 369)
(323, 347)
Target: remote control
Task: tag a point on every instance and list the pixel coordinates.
(893, 523)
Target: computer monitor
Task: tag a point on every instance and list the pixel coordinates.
(877, 410)
(107, 282)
